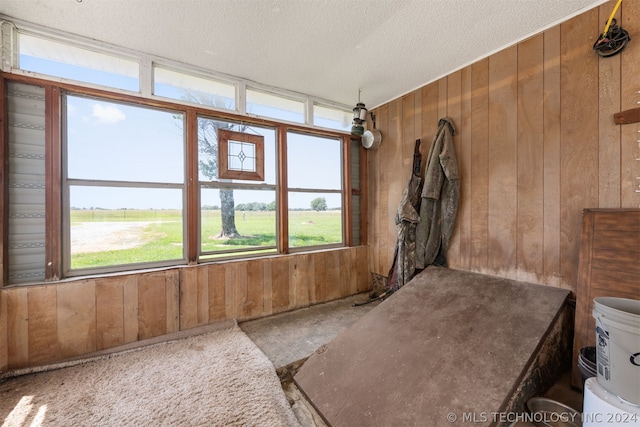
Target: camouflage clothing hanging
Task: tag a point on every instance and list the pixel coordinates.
(407, 218)
(440, 198)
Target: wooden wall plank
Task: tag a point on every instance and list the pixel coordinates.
(465, 160)
(345, 267)
(454, 112)
(201, 308)
(395, 186)
(267, 302)
(417, 118)
(332, 260)
(320, 275)
(152, 305)
(384, 175)
(408, 136)
(280, 284)
(551, 156)
(131, 309)
(608, 132)
(530, 154)
(243, 303)
(76, 318)
(43, 324)
(442, 97)
(304, 279)
(217, 291)
(17, 327)
(173, 300)
(109, 313)
(579, 136)
(630, 97)
(230, 302)
(503, 162)
(191, 278)
(255, 288)
(429, 120)
(363, 281)
(479, 176)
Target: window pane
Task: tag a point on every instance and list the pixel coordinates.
(314, 162)
(115, 226)
(332, 117)
(270, 105)
(64, 60)
(208, 169)
(111, 141)
(184, 87)
(252, 215)
(315, 219)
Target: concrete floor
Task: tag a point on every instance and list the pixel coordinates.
(288, 339)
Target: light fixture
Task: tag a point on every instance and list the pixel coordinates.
(359, 117)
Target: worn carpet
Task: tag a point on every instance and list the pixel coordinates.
(217, 379)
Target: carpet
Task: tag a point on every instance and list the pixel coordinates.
(216, 379)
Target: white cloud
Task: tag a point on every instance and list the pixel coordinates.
(108, 114)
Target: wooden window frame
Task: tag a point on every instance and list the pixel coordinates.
(55, 269)
(224, 137)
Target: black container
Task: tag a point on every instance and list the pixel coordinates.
(587, 363)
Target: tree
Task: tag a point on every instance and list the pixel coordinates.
(319, 204)
(208, 147)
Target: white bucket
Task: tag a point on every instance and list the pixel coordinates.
(618, 346)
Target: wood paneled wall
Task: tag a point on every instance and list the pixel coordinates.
(536, 144)
(46, 323)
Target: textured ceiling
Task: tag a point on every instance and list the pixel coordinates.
(325, 48)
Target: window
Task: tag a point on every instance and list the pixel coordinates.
(124, 187)
(72, 62)
(314, 166)
(237, 214)
(265, 104)
(185, 87)
(332, 117)
(241, 155)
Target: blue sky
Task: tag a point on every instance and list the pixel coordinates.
(119, 142)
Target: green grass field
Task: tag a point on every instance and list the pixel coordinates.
(160, 234)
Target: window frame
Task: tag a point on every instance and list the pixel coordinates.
(225, 137)
(56, 236)
(67, 183)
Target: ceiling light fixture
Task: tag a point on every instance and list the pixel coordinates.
(369, 139)
(359, 117)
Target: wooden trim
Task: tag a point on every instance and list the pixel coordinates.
(4, 185)
(53, 190)
(364, 196)
(193, 213)
(224, 172)
(282, 205)
(346, 193)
